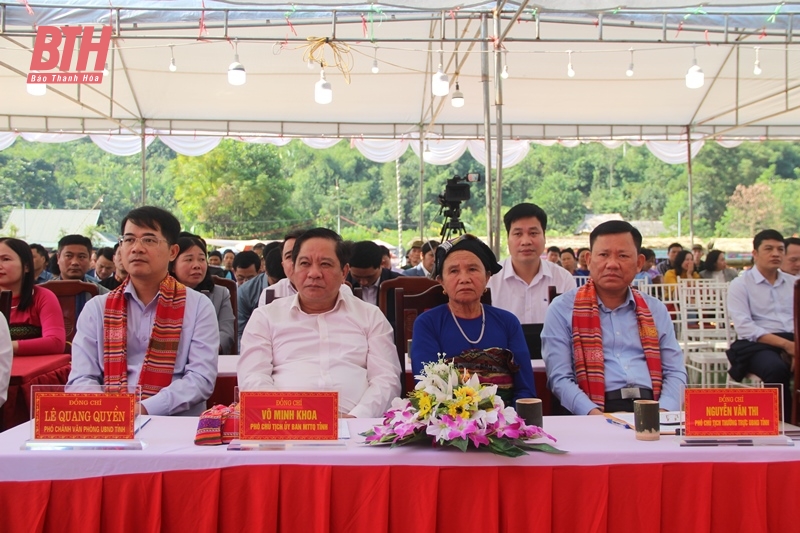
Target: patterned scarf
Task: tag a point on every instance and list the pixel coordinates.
(494, 366)
(159, 361)
(587, 339)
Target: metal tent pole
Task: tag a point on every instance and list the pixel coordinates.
(689, 175)
(487, 131)
(144, 165)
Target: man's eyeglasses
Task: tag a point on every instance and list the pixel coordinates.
(148, 241)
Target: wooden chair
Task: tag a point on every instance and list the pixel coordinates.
(409, 284)
(5, 304)
(552, 293)
(67, 291)
(233, 289)
(796, 394)
(408, 307)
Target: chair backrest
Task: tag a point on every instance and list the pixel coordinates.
(409, 307)
(410, 285)
(67, 291)
(552, 293)
(704, 311)
(5, 304)
(233, 289)
(358, 292)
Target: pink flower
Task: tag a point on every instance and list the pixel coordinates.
(379, 433)
(405, 429)
(509, 430)
(479, 437)
(460, 428)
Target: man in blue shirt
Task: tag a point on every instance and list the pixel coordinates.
(151, 301)
(625, 369)
(760, 304)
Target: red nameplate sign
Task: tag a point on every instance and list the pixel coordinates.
(60, 415)
(289, 416)
(731, 412)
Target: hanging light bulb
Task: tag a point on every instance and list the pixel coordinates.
(504, 74)
(106, 72)
(375, 67)
(36, 89)
(310, 64)
(757, 64)
(458, 97)
(323, 92)
(629, 72)
(236, 73)
(172, 66)
(440, 84)
(694, 76)
(570, 70)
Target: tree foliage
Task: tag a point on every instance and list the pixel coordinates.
(242, 190)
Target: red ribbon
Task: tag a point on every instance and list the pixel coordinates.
(203, 30)
(763, 32)
(708, 42)
(452, 13)
(291, 27)
(680, 27)
(364, 25)
(27, 7)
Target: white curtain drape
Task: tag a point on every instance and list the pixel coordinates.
(190, 145)
(513, 152)
(121, 144)
(439, 151)
(380, 150)
(7, 138)
(673, 152)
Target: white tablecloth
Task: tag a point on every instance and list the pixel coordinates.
(589, 441)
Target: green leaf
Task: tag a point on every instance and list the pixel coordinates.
(542, 447)
(459, 443)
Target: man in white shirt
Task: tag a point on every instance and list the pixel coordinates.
(323, 338)
(791, 262)
(760, 302)
(522, 286)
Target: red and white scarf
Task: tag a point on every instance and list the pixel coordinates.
(159, 361)
(587, 339)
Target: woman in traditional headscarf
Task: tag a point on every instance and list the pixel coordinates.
(479, 338)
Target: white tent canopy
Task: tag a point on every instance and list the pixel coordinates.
(540, 102)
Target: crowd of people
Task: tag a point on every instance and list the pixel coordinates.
(160, 320)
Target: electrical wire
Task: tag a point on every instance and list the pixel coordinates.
(342, 55)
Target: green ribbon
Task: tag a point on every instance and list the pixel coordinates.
(771, 18)
(698, 11)
(373, 10)
(290, 13)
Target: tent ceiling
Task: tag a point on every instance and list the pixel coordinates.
(539, 100)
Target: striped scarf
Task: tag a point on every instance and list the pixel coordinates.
(159, 361)
(587, 339)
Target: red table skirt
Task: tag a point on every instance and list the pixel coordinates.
(27, 371)
(688, 497)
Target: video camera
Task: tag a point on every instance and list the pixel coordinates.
(456, 190)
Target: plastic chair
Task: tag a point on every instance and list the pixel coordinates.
(705, 329)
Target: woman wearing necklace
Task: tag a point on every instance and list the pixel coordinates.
(36, 322)
(479, 338)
